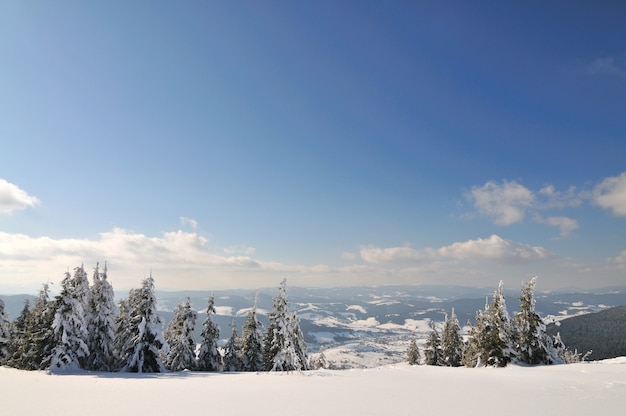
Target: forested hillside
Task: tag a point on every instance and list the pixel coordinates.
(603, 332)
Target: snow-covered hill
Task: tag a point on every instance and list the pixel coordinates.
(575, 389)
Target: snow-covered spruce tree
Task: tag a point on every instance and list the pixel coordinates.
(298, 340)
(561, 354)
(41, 338)
(491, 341)
(432, 348)
(252, 342)
(284, 347)
(209, 357)
(533, 344)
(146, 328)
(123, 339)
(232, 351)
(101, 323)
(451, 342)
(18, 347)
(179, 335)
(320, 361)
(70, 329)
(413, 355)
(80, 288)
(5, 334)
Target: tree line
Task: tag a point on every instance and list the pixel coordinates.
(495, 339)
(81, 328)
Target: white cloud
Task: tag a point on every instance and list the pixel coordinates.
(347, 255)
(189, 222)
(506, 203)
(606, 65)
(619, 261)
(611, 194)
(14, 199)
(564, 224)
(495, 249)
(376, 255)
(557, 199)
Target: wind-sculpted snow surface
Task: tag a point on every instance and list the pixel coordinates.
(575, 389)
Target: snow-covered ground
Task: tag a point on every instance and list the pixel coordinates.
(576, 389)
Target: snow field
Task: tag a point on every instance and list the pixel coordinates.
(575, 389)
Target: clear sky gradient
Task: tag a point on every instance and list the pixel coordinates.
(227, 144)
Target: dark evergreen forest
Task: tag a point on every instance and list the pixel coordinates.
(603, 333)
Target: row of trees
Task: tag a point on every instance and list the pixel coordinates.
(81, 328)
(495, 339)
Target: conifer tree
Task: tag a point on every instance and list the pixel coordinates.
(491, 341)
(81, 290)
(533, 344)
(18, 347)
(298, 341)
(179, 335)
(284, 347)
(451, 342)
(122, 341)
(146, 328)
(70, 329)
(432, 348)
(320, 362)
(252, 347)
(232, 351)
(413, 355)
(40, 332)
(5, 334)
(209, 357)
(101, 323)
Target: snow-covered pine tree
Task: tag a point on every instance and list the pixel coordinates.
(82, 292)
(5, 334)
(18, 347)
(320, 361)
(298, 341)
(80, 288)
(146, 328)
(491, 341)
(252, 347)
(560, 354)
(101, 323)
(232, 351)
(284, 347)
(533, 344)
(180, 337)
(472, 352)
(451, 342)
(209, 357)
(432, 348)
(122, 341)
(40, 332)
(413, 355)
(70, 329)
(502, 342)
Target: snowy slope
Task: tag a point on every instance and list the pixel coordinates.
(577, 389)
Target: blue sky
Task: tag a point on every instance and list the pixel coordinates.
(232, 144)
